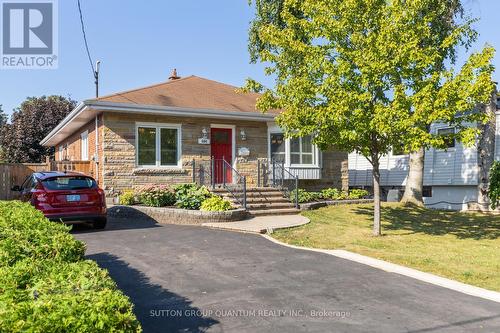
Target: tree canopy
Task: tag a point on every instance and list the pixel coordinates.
(3, 117)
(369, 75)
(30, 123)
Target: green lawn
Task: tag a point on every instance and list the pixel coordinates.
(459, 246)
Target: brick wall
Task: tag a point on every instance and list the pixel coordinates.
(73, 145)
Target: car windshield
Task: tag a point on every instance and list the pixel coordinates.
(69, 183)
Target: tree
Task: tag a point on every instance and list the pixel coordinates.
(486, 152)
(362, 76)
(441, 28)
(3, 117)
(37, 116)
(3, 122)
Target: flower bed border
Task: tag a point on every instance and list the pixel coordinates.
(319, 204)
(169, 215)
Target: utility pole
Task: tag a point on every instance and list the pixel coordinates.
(96, 76)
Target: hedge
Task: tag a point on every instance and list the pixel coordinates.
(47, 286)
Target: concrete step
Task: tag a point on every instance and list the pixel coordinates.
(261, 206)
(274, 194)
(283, 211)
(266, 199)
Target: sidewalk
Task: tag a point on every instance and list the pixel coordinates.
(262, 224)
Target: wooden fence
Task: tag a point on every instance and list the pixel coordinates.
(15, 174)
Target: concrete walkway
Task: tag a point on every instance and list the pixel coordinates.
(262, 224)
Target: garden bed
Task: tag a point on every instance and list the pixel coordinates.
(173, 215)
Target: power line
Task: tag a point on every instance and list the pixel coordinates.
(85, 40)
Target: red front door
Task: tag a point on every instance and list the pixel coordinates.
(222, 150)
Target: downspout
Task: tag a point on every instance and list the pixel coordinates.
(96, 155)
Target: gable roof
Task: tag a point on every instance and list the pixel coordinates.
(191, 92)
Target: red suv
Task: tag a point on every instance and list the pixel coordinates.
(70, 197)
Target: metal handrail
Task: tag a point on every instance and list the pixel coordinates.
(242, 179)
(207, 176)
(278, 167)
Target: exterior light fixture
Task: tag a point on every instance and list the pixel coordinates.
(243, 135)
(204, 133)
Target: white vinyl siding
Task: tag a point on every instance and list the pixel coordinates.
(454, 166)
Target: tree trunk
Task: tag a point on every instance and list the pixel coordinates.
(376, 198)
(415, 181)
(486, 153)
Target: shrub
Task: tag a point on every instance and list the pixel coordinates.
(191, 196)
(358, 194)
(128, 198)
(52, 296)
(334, 194)
(156, 196)
(215, 204)
(26, 233)
(494, 187)
(45, 286)
(305, 196)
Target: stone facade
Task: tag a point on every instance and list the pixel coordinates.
(117, 153)
(167, 215)
(121, 172)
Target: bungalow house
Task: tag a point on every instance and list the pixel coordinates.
(188, 129)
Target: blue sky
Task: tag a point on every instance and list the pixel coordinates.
(139, 42)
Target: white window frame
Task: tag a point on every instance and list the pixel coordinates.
(158, 127)
(84, 147)
(61, 152)
(300, 165)
(288, 157)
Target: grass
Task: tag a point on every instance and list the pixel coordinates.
(459, 246)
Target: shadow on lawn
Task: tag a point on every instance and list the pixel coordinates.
(434, 222)
(158, 309)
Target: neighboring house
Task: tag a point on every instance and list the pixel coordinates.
(153, 134)
(451, 176)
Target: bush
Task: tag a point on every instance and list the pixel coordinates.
(46, 286)
(305, 196)
(26, 233)
(156, 196)
(52, 296)
(358, 194)
(494, 187)
(191, 196)
(215, 204)
(128, 198)
(334, 194)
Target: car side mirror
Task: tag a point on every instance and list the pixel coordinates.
(16, 188)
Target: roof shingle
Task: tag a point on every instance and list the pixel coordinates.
(189, 92)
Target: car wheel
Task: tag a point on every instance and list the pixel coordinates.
(100, 223)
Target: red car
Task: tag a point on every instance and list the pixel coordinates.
(70, 197)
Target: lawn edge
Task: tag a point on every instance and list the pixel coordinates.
(402, 270)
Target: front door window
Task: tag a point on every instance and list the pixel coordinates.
(278, 147)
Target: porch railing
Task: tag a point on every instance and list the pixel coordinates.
(219, 173)
(275, 174)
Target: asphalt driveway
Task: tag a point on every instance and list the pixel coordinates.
(194, 279)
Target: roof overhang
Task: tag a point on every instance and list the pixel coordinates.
(88, 110)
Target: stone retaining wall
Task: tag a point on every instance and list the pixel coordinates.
(319, 204)
(167, 215)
